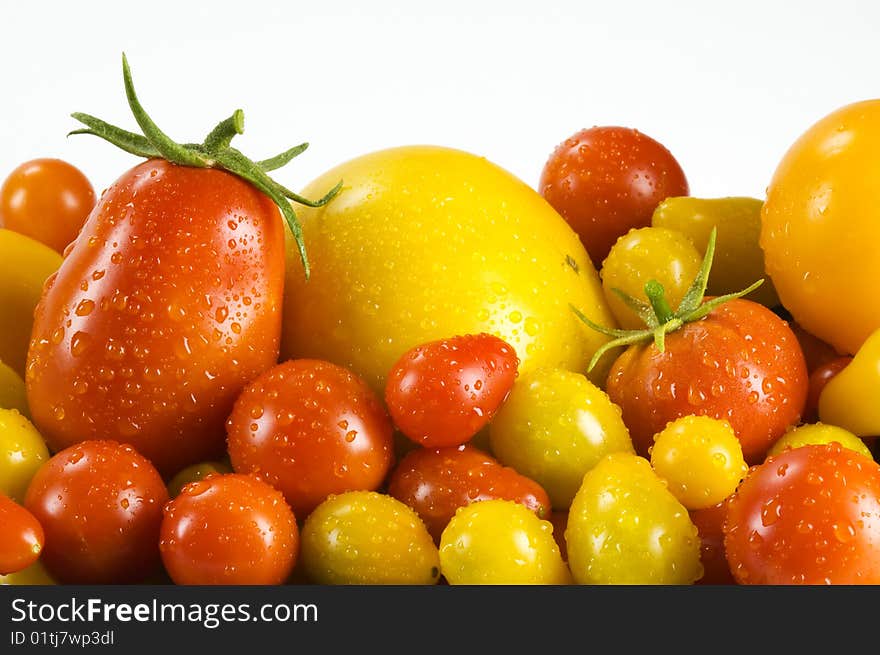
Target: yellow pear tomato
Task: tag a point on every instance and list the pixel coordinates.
(424, 243)
(819, 433)
(820, 224)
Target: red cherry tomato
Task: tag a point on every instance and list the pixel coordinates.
(821, 376)
(443, 392)
(21, 537)
(100, 503)
(168, 304)
(740, 363)
(310, 429)
(229, 529)
(47, 200)
(710, 524)
(607, 180)
(808, 515)
(436, 482)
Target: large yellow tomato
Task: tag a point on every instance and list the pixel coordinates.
(26, 265)
(821, 227)
(424, 243)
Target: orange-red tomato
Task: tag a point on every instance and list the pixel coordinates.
(229, 529)
(21, 537)
(167, 305)
(740, 363)
(443, 392)
(47, 200)
(607, 180)
(710, 524)
(436, 482)
(820, 377)
(808, 515)
(311, 428)
(100, 504)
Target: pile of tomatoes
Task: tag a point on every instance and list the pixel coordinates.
(437, 374)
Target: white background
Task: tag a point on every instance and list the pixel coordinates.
(726, 87)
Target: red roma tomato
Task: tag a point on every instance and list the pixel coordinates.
(229, 529)
(311, 429)
(740, 363)
(820, 377)
(710, 524)
(100, 503)
(443, 392)
(436, 482)
(47, 200)
(809, 515)
(167, 305)
(21, 537)
(607, 180)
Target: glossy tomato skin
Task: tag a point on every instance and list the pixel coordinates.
(819, 378)
(443, 392)
(606, 180)
(810, 515)
(167, 305)
(311, 428)
(229, 529)
(100, 504)
(47, 200)
(741, 363)
(710, 525)
(21, 537)
(436, 482)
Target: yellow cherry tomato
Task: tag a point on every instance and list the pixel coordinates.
(500, 542)
(423, 243)
(554, 427)
(849, 399)
(35, 574)
(625, 527)
(644, 254)
(12, 390)
(820, 227)
(738, 260)
(367, 538)
(26, 265)
(819, 433)
(194, 473)
(22, 452)
(701, 460)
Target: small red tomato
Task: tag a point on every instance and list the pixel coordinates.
(820, 377)
(710, 523)
(816, 352)
(740, 363)
(607, 180)
(436, 482)
(310, 429)
(47, 200)
(21, 537)
(443, 392)
(808, 515)
(100, 503)
(229, 529)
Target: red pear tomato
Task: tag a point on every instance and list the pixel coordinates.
(167, 305)
(21, 537)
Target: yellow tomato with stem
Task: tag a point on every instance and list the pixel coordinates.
(424, 243)
(820, 223)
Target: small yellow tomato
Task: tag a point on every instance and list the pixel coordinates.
(644, 254)
(819, 433)
(625, 527)
(22, 452)
(701, 460)
(35, 574)
(849, 399)
(819, 227)
(554, 427)
(26, 266)
(738, 260)
(13, 394)
(367, 538)
(500, 542)
(194, 473)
